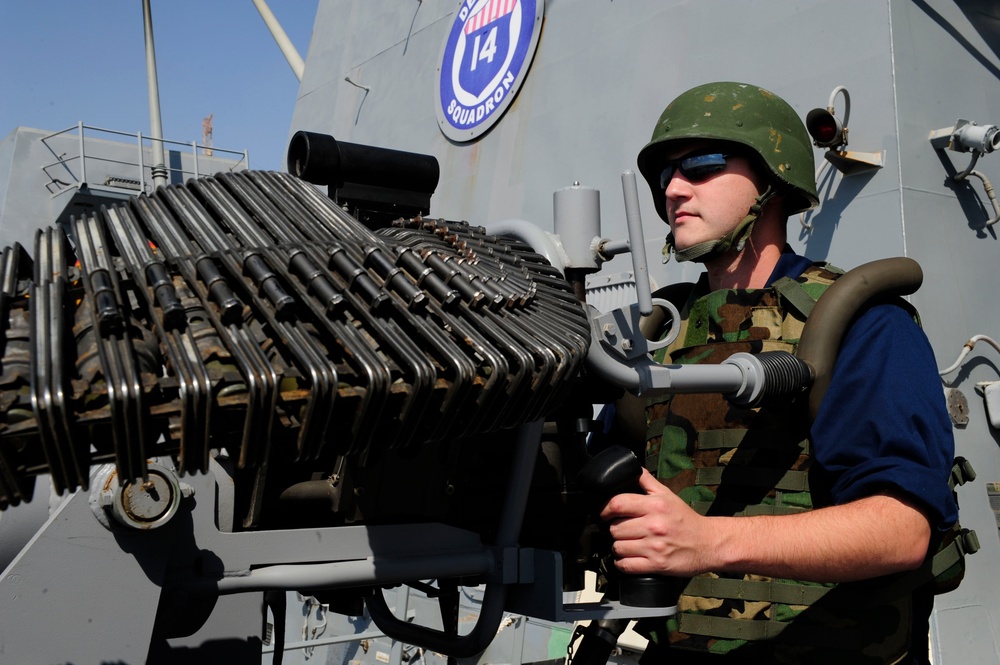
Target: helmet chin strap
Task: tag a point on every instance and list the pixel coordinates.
(711, 249)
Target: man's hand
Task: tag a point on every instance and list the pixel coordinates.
(657, 532)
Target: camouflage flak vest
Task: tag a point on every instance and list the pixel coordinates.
(724, 460)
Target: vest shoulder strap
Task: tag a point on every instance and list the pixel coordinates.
(802, 293)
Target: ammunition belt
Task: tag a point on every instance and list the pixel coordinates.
(248, 311)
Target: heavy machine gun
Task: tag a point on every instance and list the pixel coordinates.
(246, 390)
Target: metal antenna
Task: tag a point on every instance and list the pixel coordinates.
(159, 169)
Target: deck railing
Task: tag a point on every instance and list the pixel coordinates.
(141, 167)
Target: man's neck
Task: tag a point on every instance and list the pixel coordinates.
(746, 269)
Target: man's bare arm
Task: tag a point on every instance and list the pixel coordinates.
(659, 533)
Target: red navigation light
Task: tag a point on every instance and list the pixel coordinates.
(825, 129)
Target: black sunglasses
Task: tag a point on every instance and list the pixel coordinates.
(694, 167)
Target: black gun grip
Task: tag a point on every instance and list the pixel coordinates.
(616, 470)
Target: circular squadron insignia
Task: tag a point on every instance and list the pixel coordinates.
(483, 63)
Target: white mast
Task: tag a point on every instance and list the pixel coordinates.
(281, 39)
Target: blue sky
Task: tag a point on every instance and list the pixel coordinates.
(64, 61)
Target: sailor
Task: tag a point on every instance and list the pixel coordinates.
(793, 540)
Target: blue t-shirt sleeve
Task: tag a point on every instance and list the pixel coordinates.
(883, 424)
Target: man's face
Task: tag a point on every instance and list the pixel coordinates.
(709, 191)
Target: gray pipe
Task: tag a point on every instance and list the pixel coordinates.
(159, 169)
(542, 242)
(827, 324)
(637, 241)
(344, 574)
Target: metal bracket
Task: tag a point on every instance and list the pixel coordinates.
(619, 330)
(990, 390)
(850, 162)
(958, 407)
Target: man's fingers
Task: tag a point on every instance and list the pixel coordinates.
(650, 483)
(621, 505)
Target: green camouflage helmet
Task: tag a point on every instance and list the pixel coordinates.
(738, 113)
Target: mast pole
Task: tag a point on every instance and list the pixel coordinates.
(159, 169)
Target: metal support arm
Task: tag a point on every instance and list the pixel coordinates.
(619, 353)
